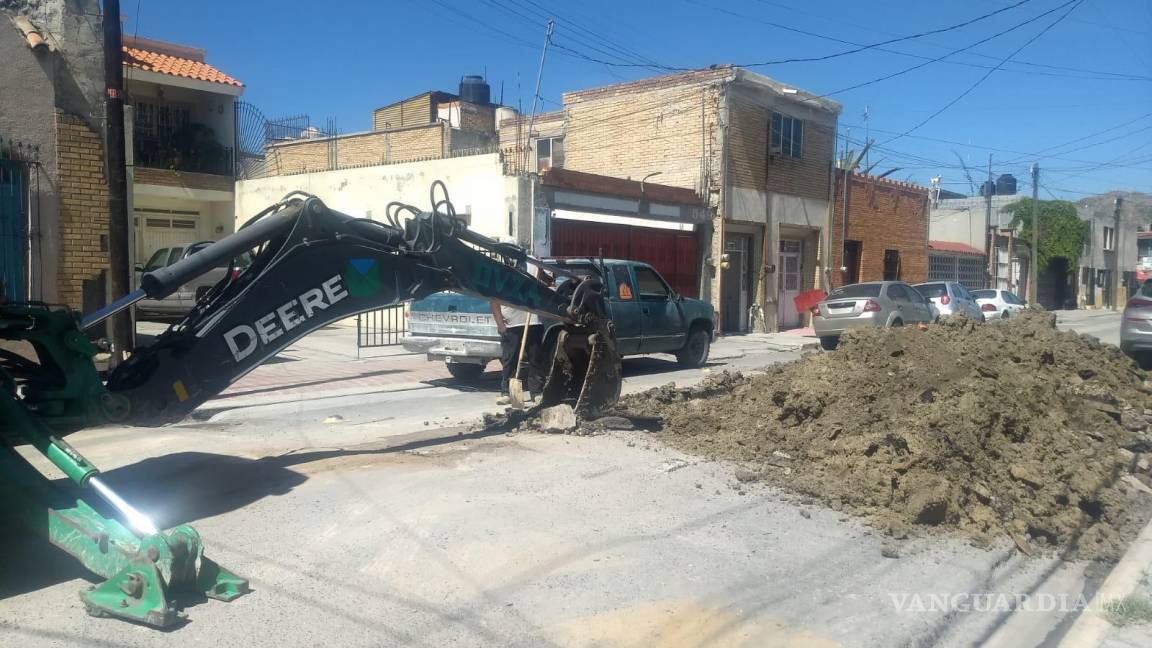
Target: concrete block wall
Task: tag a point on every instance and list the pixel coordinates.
(883, 215)
(750, 164)
(83, 193)
(378, 147)
(668, 124)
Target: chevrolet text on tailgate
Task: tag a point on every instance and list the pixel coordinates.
(648, 315)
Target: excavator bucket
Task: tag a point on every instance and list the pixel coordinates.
(584, 372)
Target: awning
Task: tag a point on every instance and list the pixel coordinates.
(622, 220)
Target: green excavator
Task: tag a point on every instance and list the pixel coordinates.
(312, 266)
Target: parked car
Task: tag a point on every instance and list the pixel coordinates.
(1136, 326)
(875, 303)
(649, 317)
(951, 298)
(997, 303)
(181, 301)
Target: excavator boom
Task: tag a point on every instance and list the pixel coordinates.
(312, 266)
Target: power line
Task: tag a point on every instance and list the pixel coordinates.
(941, 46)
(900, 39)
(987, 74)
(1090, 136)
(955, 51)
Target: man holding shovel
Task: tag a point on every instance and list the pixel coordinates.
(512, 326)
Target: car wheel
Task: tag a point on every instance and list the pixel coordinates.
(1144, 360)
(695, 351)
(1005, 314)
(897, 322)
(829, 343)
(465, 370)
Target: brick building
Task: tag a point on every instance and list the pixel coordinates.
(758, 152)
(430, 125)
(885, 236)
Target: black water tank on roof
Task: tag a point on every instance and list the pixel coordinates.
(474, 89)
(1006, 185)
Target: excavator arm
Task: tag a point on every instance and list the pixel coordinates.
(316, 266)
(312, 266)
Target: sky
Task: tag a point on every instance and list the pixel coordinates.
(1063, 83)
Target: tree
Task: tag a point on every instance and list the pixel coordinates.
(1062, 233)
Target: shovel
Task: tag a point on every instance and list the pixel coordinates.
(515, 386)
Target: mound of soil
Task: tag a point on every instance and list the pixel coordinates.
(1012, 428)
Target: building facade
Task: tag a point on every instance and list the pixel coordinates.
(885, 234)
(53, 194)
(181, 144)
(430, 125)
(758, 152)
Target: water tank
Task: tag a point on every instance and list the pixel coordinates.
(1006, 185)
(987, 187)
(474, 89)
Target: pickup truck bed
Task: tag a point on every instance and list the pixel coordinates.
(649, 318)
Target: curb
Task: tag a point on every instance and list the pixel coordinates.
(1090, 628)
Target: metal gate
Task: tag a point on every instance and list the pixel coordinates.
(12, 238)
(381, 327)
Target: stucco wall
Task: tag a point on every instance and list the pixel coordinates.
(37, 84)
(476, 183)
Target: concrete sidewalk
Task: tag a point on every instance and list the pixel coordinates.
(801, 339)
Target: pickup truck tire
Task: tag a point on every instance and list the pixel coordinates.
(695, 351)
(465, 370)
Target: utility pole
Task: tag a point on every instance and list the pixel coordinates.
(1034, 266)
(536, 95)
(989, 233)
(120, 325)
(1113, 297)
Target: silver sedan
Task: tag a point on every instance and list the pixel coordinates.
(875, 303)
(1136, 327)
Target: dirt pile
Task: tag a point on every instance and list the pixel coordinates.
(1011, 428)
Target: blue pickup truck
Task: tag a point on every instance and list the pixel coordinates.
(649, 317)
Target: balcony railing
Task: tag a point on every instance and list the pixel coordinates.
(193, 151)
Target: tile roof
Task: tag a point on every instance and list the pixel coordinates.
(952, 246)
(151, 61)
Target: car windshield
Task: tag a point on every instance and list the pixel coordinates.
(984, 294)
(1146, 289)
(855, 290)
(932, 290)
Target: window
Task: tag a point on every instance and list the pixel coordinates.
(932, 290)
(856, 290)
(898, 293)
(787, 136)
(623, 283)
(549, 153)
(988, 294)
(158, 260)
(891, 265)
(1109, 238)
(650, 285)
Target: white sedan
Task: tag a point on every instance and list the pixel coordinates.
(996, 303)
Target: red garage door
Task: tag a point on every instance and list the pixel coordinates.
(671, 252)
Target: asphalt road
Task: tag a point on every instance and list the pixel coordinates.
(1101, 324)
(379, 519)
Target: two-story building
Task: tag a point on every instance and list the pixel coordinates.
(758, 152)
(181, 145)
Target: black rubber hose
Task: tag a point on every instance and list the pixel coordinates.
(158, 284)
